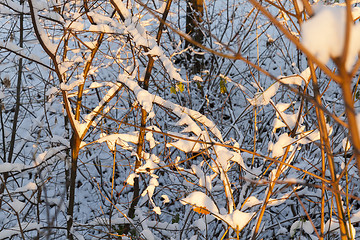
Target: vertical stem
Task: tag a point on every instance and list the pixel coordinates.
(351, 115)
(141, 140)
(75, 147)
(325, 145)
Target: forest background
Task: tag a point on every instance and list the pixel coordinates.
(193, 119)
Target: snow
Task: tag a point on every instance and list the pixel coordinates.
(300, 5)
(17, 205)
(237, 219)
(130, 179)
(296, 79)
(155, 51)
(313, 135)
(60, 139)
(151, 164)
(43, 35)
(200, 224)
(51, 91)
(204, 181)
(148, 234)
(299, 224)
(166, 198)
(277, 123)
(16, 6)
(333, 224)
(146, 100)
(144, 97)
(141, 38)
(263, 98)
(30, 186)
(48, 154)
(324, 35)
(157, 210)
(186, 145)
(197, 79)
(121, 139)
(201, 200)
(2, 95)
(12, 167)
(150, 138)
(150, 188)
(25, 226)
(69, 87)
(124, 11)
(223, 156)
(191, 125)
(96, 85)
(278, 148)
(104, 28)
(162, 8)
(12, 47)
(250, 202)
(107, 97)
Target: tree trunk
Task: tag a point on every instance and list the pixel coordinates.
(194, 16)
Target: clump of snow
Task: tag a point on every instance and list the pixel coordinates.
(313, 135)
(333, 224)
(157, 210)
(278, 147)
(165, 198)
(121, 139)
(30, 186)
(96, 85)
(324, 35)
(16, 205)
(204, 181)
(48, 154)
(151, 188)
(198, 79)
(223, 156)
(201, 200)
(130, 179)
(250, 202)
(296, 79)
(263, 98)
(305, 225)
(237, 219)
(8, 167)
(151, 164)
(51, 91)
(185, 145)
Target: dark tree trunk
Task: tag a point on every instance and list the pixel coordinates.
(194, 17)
